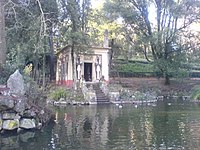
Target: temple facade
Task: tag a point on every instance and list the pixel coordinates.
(90, 66)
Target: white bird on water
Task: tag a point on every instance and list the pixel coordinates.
(120, 106)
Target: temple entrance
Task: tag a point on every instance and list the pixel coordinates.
(88, 71)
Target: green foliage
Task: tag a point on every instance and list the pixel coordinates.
(73, 28)
(135, 67)
(58, 93)
(175, 68)
(150, 69)
(180, 74)
(164, 41)
(78, 96)
(35, 94)
(195, 93)
(29, 29)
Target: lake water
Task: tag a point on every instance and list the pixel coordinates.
(108, 127)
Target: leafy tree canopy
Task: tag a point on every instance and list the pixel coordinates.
(164, 35)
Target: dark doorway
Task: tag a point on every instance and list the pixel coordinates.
(88, 71)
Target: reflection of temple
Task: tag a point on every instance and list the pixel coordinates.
(84, 125)
(91, 65)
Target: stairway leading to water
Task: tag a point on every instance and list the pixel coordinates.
(101, 97)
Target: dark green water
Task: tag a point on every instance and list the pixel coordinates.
(108, 127)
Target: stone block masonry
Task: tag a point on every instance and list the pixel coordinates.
(17, 114)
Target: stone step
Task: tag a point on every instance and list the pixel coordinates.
(101, 97)
(100, 94)
(103, 102)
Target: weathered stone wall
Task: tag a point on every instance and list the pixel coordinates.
(16, 113)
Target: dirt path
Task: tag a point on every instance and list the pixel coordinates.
(184, 85)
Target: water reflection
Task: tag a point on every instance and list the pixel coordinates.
(164, 126)
(87, 127)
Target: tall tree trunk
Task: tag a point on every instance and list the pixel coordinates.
(44, 70)
(74, 66)
(167, 79)
(52, 57)
(2, 35)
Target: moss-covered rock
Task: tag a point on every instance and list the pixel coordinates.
(10, 124)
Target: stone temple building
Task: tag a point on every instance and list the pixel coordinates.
(91, 65)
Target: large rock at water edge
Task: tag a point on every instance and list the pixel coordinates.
(16, 83)
(27, 123)
(10, 124)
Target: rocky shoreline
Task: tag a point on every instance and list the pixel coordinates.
(17, 111)
(117, 94)
(17, 114)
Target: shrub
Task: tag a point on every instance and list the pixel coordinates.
(34, 93)
(195, 93)
(79, 97)
(135, 67)
(58, 93)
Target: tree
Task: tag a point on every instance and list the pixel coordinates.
(29, 25)
(2, 35)
(73, 28)
(99, 23)
(47, 21)
(162, 36)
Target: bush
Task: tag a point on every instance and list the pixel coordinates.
(34, 93)
(58, 93)
(195, 93)
(79, 97)
(135, 67)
